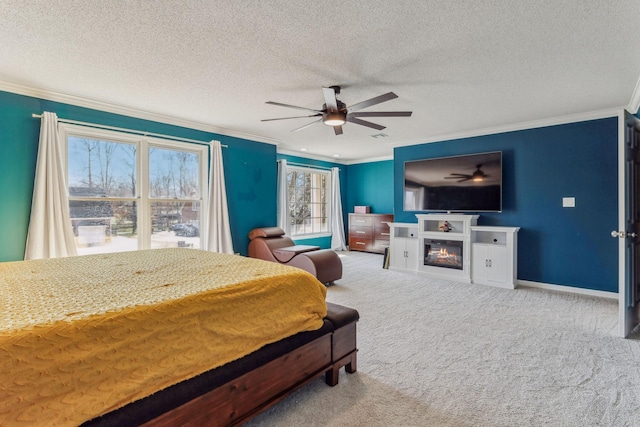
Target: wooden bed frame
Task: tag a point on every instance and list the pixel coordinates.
(262, 386)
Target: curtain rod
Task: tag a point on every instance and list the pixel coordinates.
(309, 166)
(138, 132)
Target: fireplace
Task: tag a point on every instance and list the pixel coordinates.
(443, 253)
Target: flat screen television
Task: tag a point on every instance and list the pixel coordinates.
(468, 183)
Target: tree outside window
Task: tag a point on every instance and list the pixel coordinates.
(308, 201)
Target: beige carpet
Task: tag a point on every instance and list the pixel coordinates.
(438, 353)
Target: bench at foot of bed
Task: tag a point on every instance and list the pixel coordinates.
(343, 347)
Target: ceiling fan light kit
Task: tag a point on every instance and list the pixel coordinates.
(335, 113)
(334, 119)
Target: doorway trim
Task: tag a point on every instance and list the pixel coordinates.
(622, 224)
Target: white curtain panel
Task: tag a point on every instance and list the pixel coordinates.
(337, 224)
(219, 229)
(50, 234)
(284, 220)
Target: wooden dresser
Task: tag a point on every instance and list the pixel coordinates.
(369, 232)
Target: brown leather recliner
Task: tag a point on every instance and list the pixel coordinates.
(270, 244)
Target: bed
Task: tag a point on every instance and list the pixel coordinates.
(84, 337)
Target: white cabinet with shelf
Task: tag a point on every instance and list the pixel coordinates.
(494, 256)
(404, 246)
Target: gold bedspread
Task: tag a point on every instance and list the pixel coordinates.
(85, 335)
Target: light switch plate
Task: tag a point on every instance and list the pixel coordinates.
(568, 202)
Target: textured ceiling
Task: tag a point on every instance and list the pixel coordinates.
(460, 66)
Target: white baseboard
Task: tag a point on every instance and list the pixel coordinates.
(570, 289)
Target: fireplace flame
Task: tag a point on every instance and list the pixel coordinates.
(439, 256)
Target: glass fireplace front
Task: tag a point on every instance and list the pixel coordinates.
(443, 253)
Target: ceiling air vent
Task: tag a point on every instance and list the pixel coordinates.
(379, 135)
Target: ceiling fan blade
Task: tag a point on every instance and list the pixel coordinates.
(337, 130)
(382, 114)
(287, 118)
(292, 106)
(330, 98)
(372, 101)
(306, 126)
(364, 123)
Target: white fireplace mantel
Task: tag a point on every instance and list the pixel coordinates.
(433, 226)
(489, 254)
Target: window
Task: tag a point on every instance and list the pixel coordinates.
(309, 195)
(128, 192)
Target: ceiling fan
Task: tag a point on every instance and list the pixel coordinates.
(477, 175)
(335, 113)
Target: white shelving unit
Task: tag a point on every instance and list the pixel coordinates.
(489, 254)
(494, 256)
(403, 246)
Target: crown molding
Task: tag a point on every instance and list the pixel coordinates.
(634, 105)
(306, 155)
(634, 102)
(554, 121)
(369, 160)
(108, 107)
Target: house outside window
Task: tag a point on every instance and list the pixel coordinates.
(309, 195)
(128, 192)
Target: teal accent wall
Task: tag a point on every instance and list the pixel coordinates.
(250, 168)
(325, 241)
(18, 151)
(371, 184)
(556, 245)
